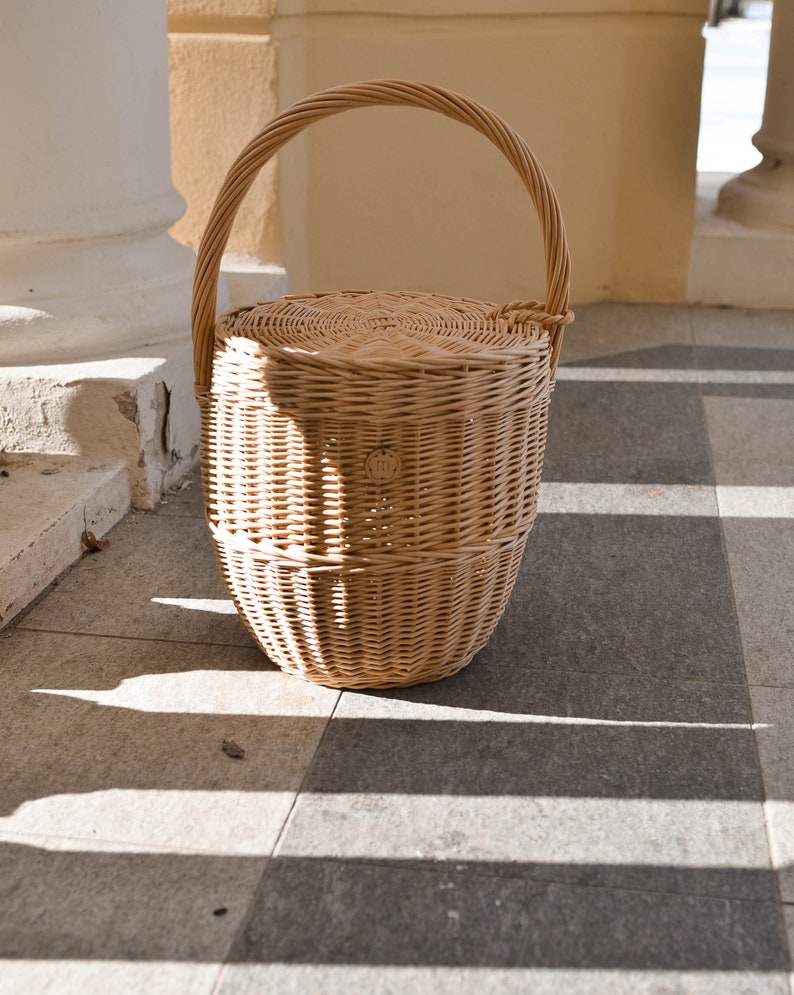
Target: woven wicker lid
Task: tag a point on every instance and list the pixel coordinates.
(385, 329)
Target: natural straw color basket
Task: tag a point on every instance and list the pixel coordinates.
(371, 461)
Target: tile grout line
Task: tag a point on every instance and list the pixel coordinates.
(143, 639)
(272, 855)
(664, 679)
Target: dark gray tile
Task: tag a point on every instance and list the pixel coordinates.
(622, 594)
(497, 685)
(627, 433)
(71, 904)
(454, 757)
(674, 356)
(339, 912)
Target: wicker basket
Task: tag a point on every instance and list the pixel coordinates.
(371, 461)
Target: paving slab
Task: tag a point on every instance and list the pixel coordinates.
(742, 328)
(429, 914)
(94, 905)
(682, 847)
(357, 979)
(627, 433)
(98, 977)
(610, 329)
(449, 782)
(761, 560)
(752, 440)
(157, 580)
(122, 741)
(406, 754)
(773, 711)
(641, 595)
(498, 687)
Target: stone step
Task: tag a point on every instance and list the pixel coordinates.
(46, 503)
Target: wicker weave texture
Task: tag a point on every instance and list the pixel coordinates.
(371, 460)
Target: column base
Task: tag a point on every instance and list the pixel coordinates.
(90, 298)
(762, 197)
(250, 280)
(733, 264)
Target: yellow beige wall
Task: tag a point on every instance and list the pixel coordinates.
(224, 87)
(607, 96)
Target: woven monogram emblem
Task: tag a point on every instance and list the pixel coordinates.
(382, 465)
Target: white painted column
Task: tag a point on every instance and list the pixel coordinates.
(763, 197)
(95, 353)
(87, 269)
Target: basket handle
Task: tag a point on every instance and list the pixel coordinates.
(554, 314)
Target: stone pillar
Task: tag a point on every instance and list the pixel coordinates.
(763, 197)
(94, 294)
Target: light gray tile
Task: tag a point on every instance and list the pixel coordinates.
(761, 561)
(742, 328)
(752, 440)
(755, 502)
(425, 914)
(50, 976)
(157, 580)
(773, 712)
(706, 847)
(83, 905)
(627, 499)
(347, 979)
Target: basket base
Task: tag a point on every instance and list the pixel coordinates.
(364, 629)
(372, 681)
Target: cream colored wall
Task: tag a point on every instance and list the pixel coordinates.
(607, 96)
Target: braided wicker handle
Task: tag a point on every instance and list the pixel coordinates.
(554, 314)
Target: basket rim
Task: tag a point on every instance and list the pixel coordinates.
(512, 341)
